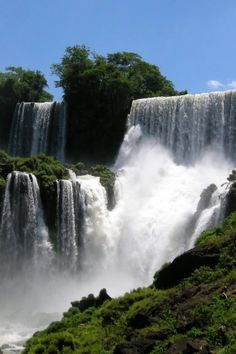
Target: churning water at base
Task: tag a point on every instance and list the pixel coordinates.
(161, 208)
(157, 211)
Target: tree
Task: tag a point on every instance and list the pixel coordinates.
(99, 91)
(17, 85)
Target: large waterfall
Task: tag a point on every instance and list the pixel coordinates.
(38, 128)
(171, 184)
(187, 125)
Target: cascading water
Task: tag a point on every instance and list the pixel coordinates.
(158, 202)
(174, 158)
(25, 255)
(23, 234)
(97, 240)
(67, 224)
(83, 223)
(38, 128)
(188, 124)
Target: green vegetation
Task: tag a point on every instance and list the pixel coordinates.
(18, 84)
(45, 168)
(198, 312)
(99, 90)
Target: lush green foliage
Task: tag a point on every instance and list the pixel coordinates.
(201, 307)
(45, 168)
(17, 85)
(99, 91)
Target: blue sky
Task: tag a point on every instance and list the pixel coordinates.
(192, 41)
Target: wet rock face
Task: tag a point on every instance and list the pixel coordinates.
(231, 199)
(184, 265)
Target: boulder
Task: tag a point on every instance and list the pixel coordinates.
(189, 346)
(184, 265)
(139, 320)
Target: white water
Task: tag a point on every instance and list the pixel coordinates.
(25, 257)
(23, 233)
(66, 225)
(188, 124)
(38, 128)
(156, 217)
(97, 227)
(157, 200)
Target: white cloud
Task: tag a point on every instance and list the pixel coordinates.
(215, 84)
(218, 85)
(232, 84)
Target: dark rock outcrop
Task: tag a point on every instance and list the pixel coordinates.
(139, 320)
(91, 301)
(189, 346)
(184, 265)
(142, 346)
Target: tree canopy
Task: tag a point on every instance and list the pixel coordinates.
(79, 65)
(18, 84)
(99, 90)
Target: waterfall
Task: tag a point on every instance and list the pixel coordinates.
(208, 214)
(97, 241)
(189, 124)
(38, 128)
(171, 185)
(158, 213)
(23, 234)
(82, 218)
(68, 207)
(174, 150)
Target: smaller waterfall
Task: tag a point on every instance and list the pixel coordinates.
(98, 234)
(209, 214)
(67, 224)
(83, 223)
(38, 128)
(23, 234)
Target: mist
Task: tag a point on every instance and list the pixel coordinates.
(156, 201)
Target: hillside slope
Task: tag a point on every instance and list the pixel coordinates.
(190, 308)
